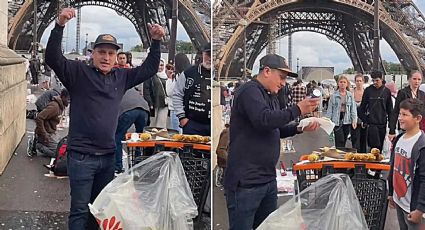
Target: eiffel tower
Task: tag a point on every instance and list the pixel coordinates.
(193, 14)
(348, 22)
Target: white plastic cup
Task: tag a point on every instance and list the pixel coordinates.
(134, 137)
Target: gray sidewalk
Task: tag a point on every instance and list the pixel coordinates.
(30, 200)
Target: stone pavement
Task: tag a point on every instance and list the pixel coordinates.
(29, 199)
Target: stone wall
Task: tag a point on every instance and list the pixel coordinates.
(13, 88)
(3, 22)
(217, 121)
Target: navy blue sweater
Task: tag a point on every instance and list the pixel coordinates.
(256, 126)
(95, 97)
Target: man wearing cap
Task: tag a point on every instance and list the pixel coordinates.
(376, 110)
(256, 125)
(192, 96)
(96, 92)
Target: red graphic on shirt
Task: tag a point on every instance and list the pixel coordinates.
(402, 177)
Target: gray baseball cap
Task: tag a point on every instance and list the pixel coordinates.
(275, 61)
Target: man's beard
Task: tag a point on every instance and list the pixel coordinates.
(206, 65)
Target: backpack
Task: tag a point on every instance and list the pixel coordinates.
(59, 167)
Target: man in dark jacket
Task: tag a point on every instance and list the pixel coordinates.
(192, 96)
(46, 123)
(257, 123)
(96, 93)
(376, 110)
(411, 91)
(34, 69)
(406, 179)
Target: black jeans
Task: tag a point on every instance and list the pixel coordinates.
(359, 138)
(195, 128)
(341, 134)
(376, 136)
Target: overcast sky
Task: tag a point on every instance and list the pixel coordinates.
(313, 49)
(97, 20)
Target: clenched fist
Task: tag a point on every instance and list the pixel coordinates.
(156, 31)
(66, 15)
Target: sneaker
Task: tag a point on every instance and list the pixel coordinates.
(49, 167)
(118, 172)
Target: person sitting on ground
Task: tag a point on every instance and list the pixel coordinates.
(46, 98)
(46, 123)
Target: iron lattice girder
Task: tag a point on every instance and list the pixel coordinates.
(361, 10)
(331, 24)
(138, 12)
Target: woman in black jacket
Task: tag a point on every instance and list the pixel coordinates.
(411, 91)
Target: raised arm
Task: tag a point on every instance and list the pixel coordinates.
(150, 66)
(65, 69)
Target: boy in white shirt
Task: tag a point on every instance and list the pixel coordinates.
(407, 174)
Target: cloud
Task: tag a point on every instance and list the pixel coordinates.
(312, 49)
(315, 49)
(96, 20)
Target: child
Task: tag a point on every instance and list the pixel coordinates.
(407, 174)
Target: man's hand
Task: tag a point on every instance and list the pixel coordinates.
(354, 124)
(391, 137)
(312, 126)
(308, 105)
(415, 216)
(391, 202)
(156, 31)
(66, 15)
(183, 122)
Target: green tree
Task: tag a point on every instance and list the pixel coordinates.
(137, 48)
(184, 47)
(349, 71)
(393, 68)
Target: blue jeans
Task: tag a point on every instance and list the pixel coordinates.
(139, 118)
(88, 175)
(195, 128)
(174, 121)
(249, 207)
